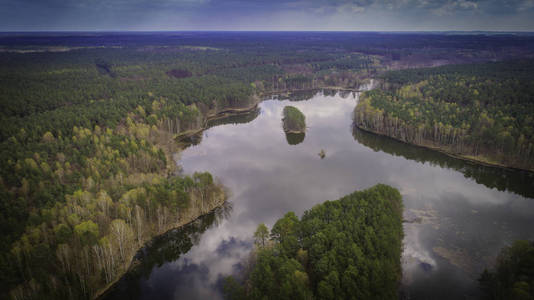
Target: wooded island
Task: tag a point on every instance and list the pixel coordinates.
(344, 249)
(293, 120)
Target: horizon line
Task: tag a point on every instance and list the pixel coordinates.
(216, 30)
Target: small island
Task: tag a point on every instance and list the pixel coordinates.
(293, 120)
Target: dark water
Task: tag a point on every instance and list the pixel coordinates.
(458, 214)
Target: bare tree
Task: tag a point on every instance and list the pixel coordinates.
(139, 215)
(122, 234)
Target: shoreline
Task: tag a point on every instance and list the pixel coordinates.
(289, 91)
(238, 111)
(170, 154)
(457, 156)
(263, 96)
(133, 262)
(180, 146)
(178, 140)
(229, 112)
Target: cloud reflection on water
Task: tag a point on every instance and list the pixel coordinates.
(267, 177)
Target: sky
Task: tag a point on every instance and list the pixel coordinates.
(293, 15)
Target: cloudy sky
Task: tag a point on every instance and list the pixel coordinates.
(383, 15)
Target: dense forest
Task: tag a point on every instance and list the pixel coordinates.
(344, 249)
(483, 111)
(85, 171)
(513, 277)
(293, 120)
(88, 124)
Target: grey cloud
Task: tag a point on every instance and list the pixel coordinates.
(268, 15)
(490, 6)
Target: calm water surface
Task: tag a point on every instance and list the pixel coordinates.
(457, 214)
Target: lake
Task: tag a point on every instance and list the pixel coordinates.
(458, 215)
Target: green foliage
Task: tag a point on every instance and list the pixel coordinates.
(261, 235)
(63, 233)
(513, 277)
(87, 232)
(344, 249)
(293, 120)
(484, 110)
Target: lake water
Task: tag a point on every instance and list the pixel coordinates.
(458, 215)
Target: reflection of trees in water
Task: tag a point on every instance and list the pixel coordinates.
(304, 95)
(329, 92)
(344, 94)
(295, 138)
(165, 248)
(516, 181)
(297, 95)
(241, 118)
(192, 140)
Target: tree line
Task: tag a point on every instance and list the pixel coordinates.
(484, 111)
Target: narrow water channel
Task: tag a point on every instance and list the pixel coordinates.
(458, 214)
